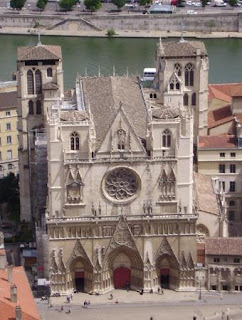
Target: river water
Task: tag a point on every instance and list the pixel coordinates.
(92, 56)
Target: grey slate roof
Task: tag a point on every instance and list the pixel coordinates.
(39, 52)
(104, 95)
(183, 49)
(224, 246)
(73, 115)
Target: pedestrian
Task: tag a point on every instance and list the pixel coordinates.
(158, 290)
(162, 292)
(151, 290)
(85, 304)
(62, 308)
(111, 296)
(71, 296)
(116, 301)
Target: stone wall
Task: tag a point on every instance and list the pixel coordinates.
(224, 22)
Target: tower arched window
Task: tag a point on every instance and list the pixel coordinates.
(178, 69)
(38, 107)
(194, 99)
(189, 74)
(38, 82)
(174, 83)
(31, 107)
(166, 138)
(185, 99)
(49, 72)
(74, 141)
(30, 82)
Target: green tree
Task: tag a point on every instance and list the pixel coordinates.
(92, 5)
(17, 4)
(146, 2)
(67, 5)
(233, 3)
(204, 3)
(119, 3)
(41, 4)
(210, 24)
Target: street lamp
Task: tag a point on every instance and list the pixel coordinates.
(199, 281)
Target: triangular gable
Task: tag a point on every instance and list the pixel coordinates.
(171, 176)
(183, 261)
(122, 236)
(121, 126)
(61, 265)
(78, 251)
(190, 263)
(165, 249)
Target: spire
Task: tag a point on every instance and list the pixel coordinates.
(39, 41)
(182, 32)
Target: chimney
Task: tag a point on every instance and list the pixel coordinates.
(13, 293)
(18, 312)
(10, 273)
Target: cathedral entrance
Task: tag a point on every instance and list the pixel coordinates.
(79, 281)
(121, 278)
(165, 278)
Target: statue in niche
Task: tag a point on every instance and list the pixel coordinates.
(163, 183)
(121, 137)
(75, 189)
(171, 182)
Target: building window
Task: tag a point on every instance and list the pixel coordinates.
(30, 82)
(222, 168)
(174, 83)
(8, 126)
(9, 139)
(222, 154)
(9, 154)
(1, 168)
(213, 287)
(231, 203)
(49, 72)
(38, 82)
(231, 216)
(233, 168)
(232, 186)
(0, 155)
(216, 259)
(189, 75)
(74, 141)
(166, 138)
(236, 260)
(8, 114)
(38, 107)
(10, 166)
(194, 102)
(185, 99)
(31, 107)
(223, 185)
(178, 69)
(225, 287)
(232, 154)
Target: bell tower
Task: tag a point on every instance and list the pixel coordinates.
(182, 78)
(40, 85)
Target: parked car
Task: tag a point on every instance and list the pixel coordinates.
(191, 12)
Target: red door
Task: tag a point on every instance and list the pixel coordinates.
(121, 278)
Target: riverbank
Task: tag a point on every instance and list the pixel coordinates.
(120, 33)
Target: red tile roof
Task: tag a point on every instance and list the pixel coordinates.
(223, 246)
(219, 116)
(217, 142)
(24, 296)
(224, 92)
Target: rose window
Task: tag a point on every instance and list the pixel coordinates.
(121, 184)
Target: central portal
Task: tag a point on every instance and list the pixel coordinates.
(79, 281)
(165, 278)
(121, 278)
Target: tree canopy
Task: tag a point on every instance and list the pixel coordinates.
(17, 4)
(233, 3)
(92, 5)
(119, 3)
(67, 4)
(145, 2)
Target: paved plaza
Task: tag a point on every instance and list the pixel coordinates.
(131, 305)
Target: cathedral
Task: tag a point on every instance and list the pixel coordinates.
(106, 170)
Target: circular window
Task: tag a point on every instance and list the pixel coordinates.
(121, 185)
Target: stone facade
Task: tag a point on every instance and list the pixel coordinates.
(120, 208)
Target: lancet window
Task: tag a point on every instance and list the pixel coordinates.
(174, 83)
(194, 99)
(31, 107)
(49, 72)
(178, 69)
(166, 138)
(38, 82)
(38, 107)
(185, 99)
(189, 75)
(74, 141)
(30, 82)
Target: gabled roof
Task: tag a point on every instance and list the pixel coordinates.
(217, 142)
(219, 116)
(25, 297)
(225, 91)
(224, 246)
(205, 196)
(39, 52)
(183, 49)
(8, 100)
(104, 96)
